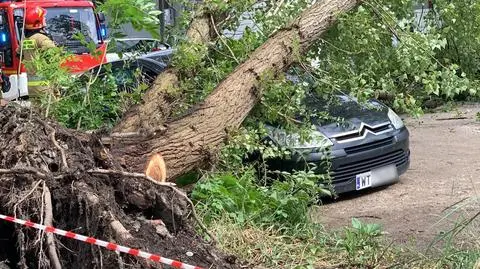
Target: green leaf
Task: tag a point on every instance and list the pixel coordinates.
(356, 224)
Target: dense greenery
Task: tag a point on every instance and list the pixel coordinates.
(90, 101)
(359, 56)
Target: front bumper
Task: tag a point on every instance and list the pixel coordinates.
(350, 159)
(391, 149)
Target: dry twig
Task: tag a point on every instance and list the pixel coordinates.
(55, 142)
(23, 170)
(126, 135)
(25, 197)
(223, 40)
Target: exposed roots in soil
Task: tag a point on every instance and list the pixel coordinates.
(50, 175)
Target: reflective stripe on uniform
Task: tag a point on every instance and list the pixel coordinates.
(35, 83)
(29, 44)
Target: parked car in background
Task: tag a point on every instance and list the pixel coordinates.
(368, 148)
(128, 48)
(130, 73)
(135, 60)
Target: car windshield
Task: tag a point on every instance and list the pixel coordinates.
(64, 24)
(137, 45)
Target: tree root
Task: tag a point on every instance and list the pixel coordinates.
(19, 171)
(52, 250)
(120, 231)
(163, 184)
(55, 142)
(26, 196)
(87, 198)
(194, 212)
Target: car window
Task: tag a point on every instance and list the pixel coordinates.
(137, 46)
(65, 23)
(147, 45)
(122, 46)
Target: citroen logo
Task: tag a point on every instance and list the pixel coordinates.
(362, 132)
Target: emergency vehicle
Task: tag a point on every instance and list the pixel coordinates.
(64, 19)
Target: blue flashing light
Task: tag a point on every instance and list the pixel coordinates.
(3, 37)
(103, 31)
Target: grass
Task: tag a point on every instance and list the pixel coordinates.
(308, 246)
(305, 246)
(270, 248)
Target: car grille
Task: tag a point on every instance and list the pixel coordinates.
(347, 172)
(369, 146)
(361, 132)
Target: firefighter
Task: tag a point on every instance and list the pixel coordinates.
(36, 40)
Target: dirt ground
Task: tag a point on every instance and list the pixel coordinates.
(444, 169)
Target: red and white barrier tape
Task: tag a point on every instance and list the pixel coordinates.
(107, 245)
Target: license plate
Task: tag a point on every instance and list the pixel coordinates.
(363, 180)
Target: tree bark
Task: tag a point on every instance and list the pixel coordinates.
(189, 141)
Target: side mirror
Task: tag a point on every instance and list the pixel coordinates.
(101, 17)
(18, 20)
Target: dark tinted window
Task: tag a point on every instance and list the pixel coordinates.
(63, 24)
(128, 75)
(6, 56)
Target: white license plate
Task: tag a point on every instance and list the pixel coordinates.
(363, 180)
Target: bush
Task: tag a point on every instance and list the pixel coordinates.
(283, 204)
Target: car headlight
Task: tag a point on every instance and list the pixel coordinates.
(293, 141)
(396, 121)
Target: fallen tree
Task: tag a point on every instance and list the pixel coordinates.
(187, 142)
(74, 181)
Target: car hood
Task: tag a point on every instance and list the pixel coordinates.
(346, 114)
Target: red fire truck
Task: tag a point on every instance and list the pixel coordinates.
(65, 19)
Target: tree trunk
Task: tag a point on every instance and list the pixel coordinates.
(188, 142)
